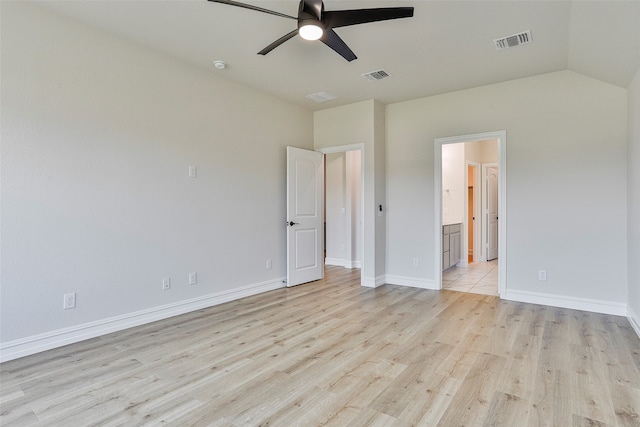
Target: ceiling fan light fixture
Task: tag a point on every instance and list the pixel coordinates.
(310, 29)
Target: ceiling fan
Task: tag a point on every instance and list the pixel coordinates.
(314, 23)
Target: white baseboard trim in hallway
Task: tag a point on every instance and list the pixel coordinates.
(413, 282)
(342, 263)
(61, 337)
(370, 282)
(585, 304)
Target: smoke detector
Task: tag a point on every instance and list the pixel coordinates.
(220, 65)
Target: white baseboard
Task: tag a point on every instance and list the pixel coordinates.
(37, 343)
(585, 304)
(353, 264)
(411, 281)
(342, 263)
(370, 282)
(634, 320)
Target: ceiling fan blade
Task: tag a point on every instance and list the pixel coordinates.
(331, 39)
(278, 42)
(343, 18)
(248, 6)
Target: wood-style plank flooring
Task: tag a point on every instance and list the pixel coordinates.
(333, 353)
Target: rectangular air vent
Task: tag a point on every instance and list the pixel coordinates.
(513, 40)
(375, 75)
(321, 97)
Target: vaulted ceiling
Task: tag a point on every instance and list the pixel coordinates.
(447, 45)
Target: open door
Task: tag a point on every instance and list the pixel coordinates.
(492, 213)
(305, 245)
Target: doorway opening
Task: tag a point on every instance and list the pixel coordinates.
(344, 207)
(470, 178)
(473, 213)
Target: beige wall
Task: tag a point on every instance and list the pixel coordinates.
(362, 123)
(97, 137)
(566, 182)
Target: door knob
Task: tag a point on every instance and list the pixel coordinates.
(291, 223)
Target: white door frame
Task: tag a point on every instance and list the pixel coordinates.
(474, 208)
(363, 210)
(501, 136)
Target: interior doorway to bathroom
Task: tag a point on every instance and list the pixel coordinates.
(469, 204)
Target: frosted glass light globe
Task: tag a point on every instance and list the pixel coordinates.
(310, 31)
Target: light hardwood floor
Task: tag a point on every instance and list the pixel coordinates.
(333, 353)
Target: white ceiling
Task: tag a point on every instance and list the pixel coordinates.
(446, 46)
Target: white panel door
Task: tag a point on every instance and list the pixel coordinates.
(305, 216)
(492, 213)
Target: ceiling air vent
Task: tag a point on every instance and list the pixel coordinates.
(375, 75)
(513, 40)
(321, 97)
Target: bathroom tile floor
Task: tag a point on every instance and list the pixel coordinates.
(475, 278)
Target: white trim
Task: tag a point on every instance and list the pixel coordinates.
(335, 261)
(413, 282)
(342, 263)
(437, 205)
(352, 264)
(370, 282)
(348, 208)
(46, 341)
(341, 148)
(563, 301)
(502, 213)
(634, 320)
(501, 136)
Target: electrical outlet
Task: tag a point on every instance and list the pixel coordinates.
(542, 274)
(416, 262)
(193, 278)
(166, 283)
(69, 301)
(269, 264)
(193, 172)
